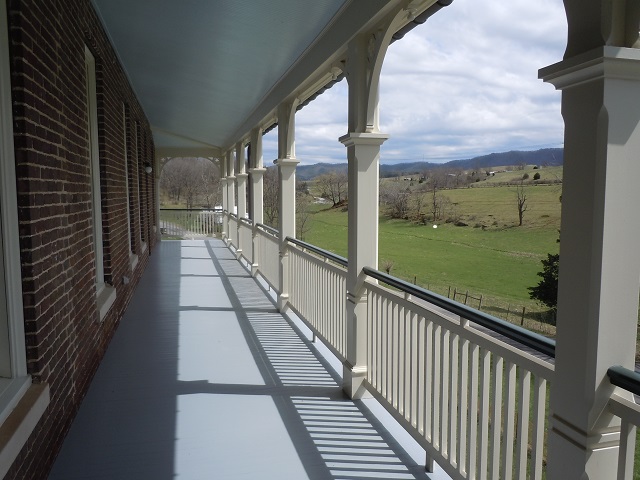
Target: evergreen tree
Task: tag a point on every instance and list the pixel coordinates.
(546, 292)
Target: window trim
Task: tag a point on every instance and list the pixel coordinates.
(105, 293)
(22, 403)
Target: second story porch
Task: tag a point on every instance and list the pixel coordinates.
(206, 379)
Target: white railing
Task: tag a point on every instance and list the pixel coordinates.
(233, 230)
(455, 378)
(267, 254)
(476, 403)
(246, 239)
(321, 303)
(189, 223)
(628, 411)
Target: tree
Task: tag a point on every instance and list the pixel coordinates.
(536, 176)
(546, 291)
(333, 186)
(191, 180)
(521, 202)
(271, 201)
(303, 214)
(395, 196)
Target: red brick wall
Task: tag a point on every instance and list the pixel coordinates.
(65, 339)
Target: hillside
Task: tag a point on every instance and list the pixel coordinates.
(546, 156)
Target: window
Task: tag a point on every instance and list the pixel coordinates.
(105, 294)
(14, 381)
(133, 258)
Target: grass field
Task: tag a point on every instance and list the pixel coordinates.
(491, 256)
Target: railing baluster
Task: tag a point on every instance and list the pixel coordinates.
(539, 404)
(422, 376)
(496, 419)
(627, 450)
(474, 393)
(428, 358)
(463, 380)
(453, 395)
(509, 416)
(484, 414)
(523, 424)
(445, 373)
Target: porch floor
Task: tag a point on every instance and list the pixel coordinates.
(204, 379)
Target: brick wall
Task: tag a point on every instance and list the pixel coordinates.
(64, 337)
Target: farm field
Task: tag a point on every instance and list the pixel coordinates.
(491, 256)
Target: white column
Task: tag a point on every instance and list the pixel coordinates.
(364, 59)
(225, 195)
(257, 175)
(241, 178)
(157, 171)
(231, 185)
(287, 192)
(599, 266)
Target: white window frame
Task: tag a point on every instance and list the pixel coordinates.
(105, 294)
(15, 384)
(133, 258)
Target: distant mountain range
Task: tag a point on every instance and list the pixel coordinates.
(545, 156)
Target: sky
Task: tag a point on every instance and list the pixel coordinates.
(463, 84)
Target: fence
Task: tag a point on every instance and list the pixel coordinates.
(322, 300)
(473, 401)
(267, 254)
(245, 234)
(232, 234)
(190, 223)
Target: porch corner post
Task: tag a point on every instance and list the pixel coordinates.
(242, 192)
(286, 164)
(599, 272)
(257, 177)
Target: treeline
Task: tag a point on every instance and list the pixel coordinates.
(194, 182)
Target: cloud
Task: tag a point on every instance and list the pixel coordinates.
(463, 84)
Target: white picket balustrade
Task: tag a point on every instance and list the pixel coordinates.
(319, 298)
(189, 223)
(267, 254)
(246, 239)
(233, 231)
(476, 403)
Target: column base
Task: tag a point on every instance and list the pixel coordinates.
(353, 381)
(283, 301)
(238, 253)
(254, 269)
(576, 454)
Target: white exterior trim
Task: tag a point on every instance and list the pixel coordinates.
(9, 241)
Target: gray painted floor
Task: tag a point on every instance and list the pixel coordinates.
(205, 380)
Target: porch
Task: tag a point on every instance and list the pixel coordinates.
(205, 379)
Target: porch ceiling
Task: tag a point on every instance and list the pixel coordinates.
(207, 71)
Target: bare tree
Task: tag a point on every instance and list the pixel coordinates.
(395, 196)
(521, 202)
(271, 201)
(333, 186)
(190, 180)
(303, 214)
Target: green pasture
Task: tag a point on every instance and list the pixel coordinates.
(491, 256)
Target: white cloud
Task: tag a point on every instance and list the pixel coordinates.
(463, 84)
